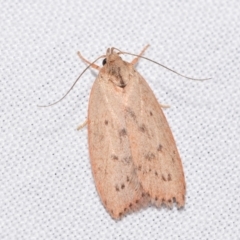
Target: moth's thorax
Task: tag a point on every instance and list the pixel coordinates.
(118, 71)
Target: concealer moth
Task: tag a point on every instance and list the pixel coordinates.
(134, 158)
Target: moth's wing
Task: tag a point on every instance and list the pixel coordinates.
(154, 151)
(112, 167)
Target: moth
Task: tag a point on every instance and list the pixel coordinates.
(134, 158)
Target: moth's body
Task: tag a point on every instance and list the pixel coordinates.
(133, 154)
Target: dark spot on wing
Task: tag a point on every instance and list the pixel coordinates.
(130, 205)
(128, 179)
(117, 188)
(131, 113)
(173, 160)
(123, 132)
(156, 198)
(169, 177)
(150, 113)
(127, 160)
(143, 128)
(122, 186)
(156, 173)
(139, 167)
(150, 156)
(145, 172)
(163, 178)
(106, 122)
(137, 201)
(159, 148)
(114, 157)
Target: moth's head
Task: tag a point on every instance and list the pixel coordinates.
(115, 67)
(112, 57)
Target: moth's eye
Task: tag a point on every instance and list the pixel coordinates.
(104, 61)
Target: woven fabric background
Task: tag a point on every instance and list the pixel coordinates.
(46, 185)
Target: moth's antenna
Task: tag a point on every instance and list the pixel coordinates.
(195, 79)
(73, 83)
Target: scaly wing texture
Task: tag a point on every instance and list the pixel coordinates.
(154, 152)
(110, 153)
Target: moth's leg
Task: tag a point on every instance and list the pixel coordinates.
(86, 61)
(135, 60)
(82, 125)
(164, 106)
